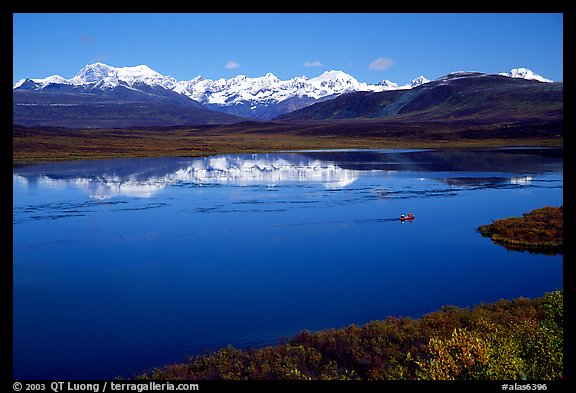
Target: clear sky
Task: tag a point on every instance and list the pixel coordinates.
(370, 47)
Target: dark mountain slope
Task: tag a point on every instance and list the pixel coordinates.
(74, 107)
(459, 96)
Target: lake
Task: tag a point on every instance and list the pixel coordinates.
(127, 264)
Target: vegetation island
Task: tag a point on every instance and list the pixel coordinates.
(540, 231)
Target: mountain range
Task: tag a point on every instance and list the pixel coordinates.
(104, 96)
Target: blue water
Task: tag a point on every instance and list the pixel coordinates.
(123, 265)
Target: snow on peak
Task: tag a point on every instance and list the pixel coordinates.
(41, 83)
(269, 88)
(388, 85)
(271, 76)
(418, 81)
(338, 82)
(413, 83)
(54, 79)
(18, 84)
(335, 80)
(138, 71)
(93, 73)
(105, 76)
(525, 73)
(258, 92)
(333, 74)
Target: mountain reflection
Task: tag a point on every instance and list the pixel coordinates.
(485, 181)
(145, 177)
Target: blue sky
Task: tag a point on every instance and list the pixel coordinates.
(370, 47)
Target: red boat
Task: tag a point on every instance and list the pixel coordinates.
(408, 217)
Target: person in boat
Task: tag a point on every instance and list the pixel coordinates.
(410, 216)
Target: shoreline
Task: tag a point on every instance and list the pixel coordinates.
(47, 145)
(504, 340)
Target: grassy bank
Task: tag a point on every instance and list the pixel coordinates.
(517, 339)
(539, 231)
(49, 144)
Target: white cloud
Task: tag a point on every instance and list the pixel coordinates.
(316, 63)
(381, 63)
(231, 65)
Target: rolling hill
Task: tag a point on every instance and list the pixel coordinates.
(454, 97)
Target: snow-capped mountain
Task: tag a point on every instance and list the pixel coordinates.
(264, 97)
(261, 97)
(525, 73)
(415, 83)
(388, 85)
(102, 76)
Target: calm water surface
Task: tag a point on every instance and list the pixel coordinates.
(123, 265)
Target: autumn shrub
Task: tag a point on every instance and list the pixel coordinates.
(516, 347)
(464, 355)
(508, 340)
(539, 230)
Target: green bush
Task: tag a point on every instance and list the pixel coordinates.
(544, 350)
